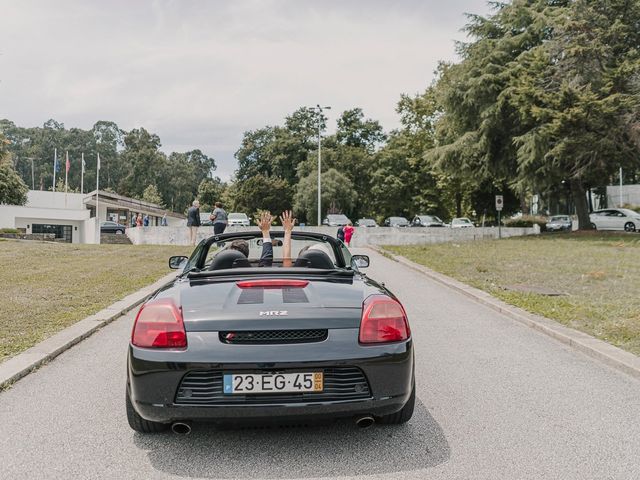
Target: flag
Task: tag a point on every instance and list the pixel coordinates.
(68, 164)
(55, 167)
(84, 165)
(98, 167)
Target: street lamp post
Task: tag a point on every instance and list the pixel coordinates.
(319, 110)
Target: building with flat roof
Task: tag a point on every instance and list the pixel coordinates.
(71, 217)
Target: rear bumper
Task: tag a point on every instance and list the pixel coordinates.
(155, 376)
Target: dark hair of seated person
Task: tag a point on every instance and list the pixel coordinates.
(240, 245)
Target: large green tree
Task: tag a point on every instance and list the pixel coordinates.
(261, 192)
(338, 194)
(547, 91)
(13, 190)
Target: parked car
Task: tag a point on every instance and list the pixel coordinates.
(205, 221)
(559, 223)
(366, 222)
(238, 220)
(615, 219)
(396, 222)
(462, 222)
(335, 220)
(112, 227)
(204, 349)
(426, 221)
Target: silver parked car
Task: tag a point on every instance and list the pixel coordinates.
(560, 223)
(396, 222)
(426, 221)
(336, 220)
(366, 222)
(615, 219)
(462, 222)
(238, 220)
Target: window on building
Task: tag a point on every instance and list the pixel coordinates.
(63, 232)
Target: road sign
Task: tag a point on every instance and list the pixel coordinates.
(499, 202)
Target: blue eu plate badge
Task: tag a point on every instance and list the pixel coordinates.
(228, 384)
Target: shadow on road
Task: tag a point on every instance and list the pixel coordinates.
(339, 449)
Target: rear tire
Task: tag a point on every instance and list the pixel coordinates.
(402, 416)
(593, 226)
(139, 424)
(629, 227)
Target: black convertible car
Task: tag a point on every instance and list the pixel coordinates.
(228, 341)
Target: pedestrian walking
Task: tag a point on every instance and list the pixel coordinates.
(340, 234)
(348, 231)
(219, 219)
(145, 220)
(193, 221)
(133, 219)
(164, 222)
(139, 220)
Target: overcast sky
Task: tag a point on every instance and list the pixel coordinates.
(200, 73)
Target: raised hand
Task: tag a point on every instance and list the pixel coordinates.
(287, 220)
(264, 222)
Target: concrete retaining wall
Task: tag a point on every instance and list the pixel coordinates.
(362, 237)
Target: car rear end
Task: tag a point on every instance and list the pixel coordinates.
(271, 352)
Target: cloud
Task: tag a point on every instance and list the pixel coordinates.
(200, 73)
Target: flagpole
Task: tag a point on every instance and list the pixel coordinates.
(98, 199)
(55, 165)
(66, 177)
(82, 175)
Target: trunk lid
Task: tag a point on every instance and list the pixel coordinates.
(225, 306)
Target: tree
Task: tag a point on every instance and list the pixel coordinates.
(579, 96)
(337, 191)
(146, 162)
(210, 191)
(261, 192)
(152, 195)
(355, 131)
(13, 190)
(547, 92)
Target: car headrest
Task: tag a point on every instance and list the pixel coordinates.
(241, 263)
(226, 259)
(314, 259)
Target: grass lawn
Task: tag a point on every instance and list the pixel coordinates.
(598, 273)
(45, 287)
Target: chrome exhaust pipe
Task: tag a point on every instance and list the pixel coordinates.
(181, 428)
(365, 421)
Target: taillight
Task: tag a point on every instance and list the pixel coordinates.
(273, 283)
(383, 320)
(159, 325)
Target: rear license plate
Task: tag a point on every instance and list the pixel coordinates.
(272, 383)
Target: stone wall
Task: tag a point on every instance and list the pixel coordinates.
(362, 237)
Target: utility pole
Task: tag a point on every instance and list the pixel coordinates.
(319, 110)
(620, 188)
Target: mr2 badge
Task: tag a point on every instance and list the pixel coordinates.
(274, 313)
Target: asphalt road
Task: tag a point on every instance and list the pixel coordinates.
(495, 400)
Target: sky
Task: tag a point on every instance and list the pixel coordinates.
(201, 73)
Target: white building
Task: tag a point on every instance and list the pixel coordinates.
(72, 216)
(629, 195)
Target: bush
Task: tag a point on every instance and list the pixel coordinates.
(527, 221)
(8, 230)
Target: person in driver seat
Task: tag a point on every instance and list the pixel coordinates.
(264, 223)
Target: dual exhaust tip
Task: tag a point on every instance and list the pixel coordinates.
(181, 428)
(184, 428)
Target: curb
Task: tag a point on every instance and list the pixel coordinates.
(26, 362)
(612, 356)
